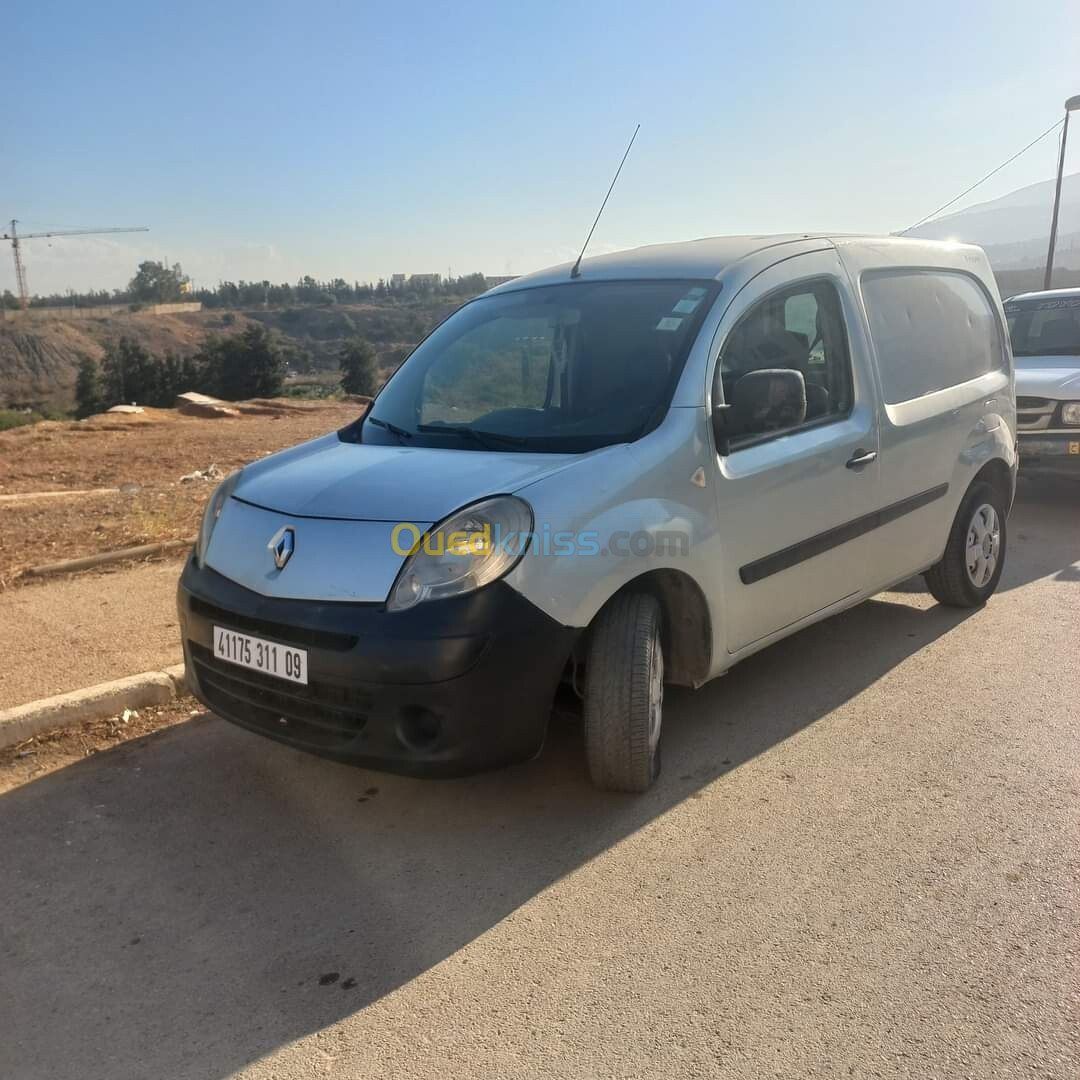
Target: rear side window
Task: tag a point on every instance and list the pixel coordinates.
(931, 329)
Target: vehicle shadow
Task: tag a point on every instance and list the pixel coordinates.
(1044, 535)
(188, 903)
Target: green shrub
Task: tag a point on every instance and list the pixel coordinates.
(13, 418)
(358, 367)
(311, 390)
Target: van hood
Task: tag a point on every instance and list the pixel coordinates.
(1055, 377)
(329, 478)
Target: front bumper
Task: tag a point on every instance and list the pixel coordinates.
(1057, 453)
(447, 688)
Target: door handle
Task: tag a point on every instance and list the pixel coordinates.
(860, 458)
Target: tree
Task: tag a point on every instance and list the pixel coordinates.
(87, 388)
(357, 362)
(299, 357)
(129, 374)
(246, 365)
(192, 374)
(156, 283)
(178, 376)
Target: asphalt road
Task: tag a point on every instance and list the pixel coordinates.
(862, 859)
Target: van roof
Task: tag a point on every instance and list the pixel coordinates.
(1044, 294)
(711, 256)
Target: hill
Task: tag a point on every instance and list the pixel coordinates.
(39, 357)
(1015, 229)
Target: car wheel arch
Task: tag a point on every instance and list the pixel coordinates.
(686, 633)
(998, 475)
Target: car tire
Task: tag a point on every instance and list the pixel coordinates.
(970, 569)
(624, 694)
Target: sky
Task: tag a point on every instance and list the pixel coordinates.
(268, 140)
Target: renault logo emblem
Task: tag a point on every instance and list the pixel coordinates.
(282, 546)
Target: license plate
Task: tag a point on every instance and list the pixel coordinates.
(269, 657)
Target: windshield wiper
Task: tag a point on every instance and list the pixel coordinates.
(400, 432)
(489, 440)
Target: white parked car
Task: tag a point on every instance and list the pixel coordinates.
(635, 475)
(1045, 331)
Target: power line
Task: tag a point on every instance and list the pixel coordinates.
(967, 191)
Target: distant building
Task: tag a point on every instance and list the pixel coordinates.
(425, 279)
(397, 280)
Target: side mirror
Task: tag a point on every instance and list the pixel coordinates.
(767, 400)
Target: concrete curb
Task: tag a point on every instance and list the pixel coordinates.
(93, 703)
(104, 558)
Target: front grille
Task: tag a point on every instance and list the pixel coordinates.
(1034, 413)
(292, 635)
(320, 714)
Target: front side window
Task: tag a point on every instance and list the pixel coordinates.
(560, 368)
(931, 329)
(1047, 326)
(798, 329)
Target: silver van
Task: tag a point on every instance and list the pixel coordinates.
(634, 473)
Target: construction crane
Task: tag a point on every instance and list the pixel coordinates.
(16, 239)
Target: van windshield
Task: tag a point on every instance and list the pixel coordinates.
(1044, 327)
(556, 368)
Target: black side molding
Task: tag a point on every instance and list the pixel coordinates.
(825, 541)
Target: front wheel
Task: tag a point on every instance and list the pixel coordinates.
(970, 569)
(624, 694)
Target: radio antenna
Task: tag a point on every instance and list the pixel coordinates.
(576, 272)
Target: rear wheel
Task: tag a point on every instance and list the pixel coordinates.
(624, 694)
(974, 557)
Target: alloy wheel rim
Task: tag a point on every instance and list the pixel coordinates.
(983, 547)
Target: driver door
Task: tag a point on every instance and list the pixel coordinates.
(796, 502)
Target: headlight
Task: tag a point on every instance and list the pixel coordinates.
(466, 551)
(212, 513)
(1070, 412)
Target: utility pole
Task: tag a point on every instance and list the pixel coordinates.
(1070, 105)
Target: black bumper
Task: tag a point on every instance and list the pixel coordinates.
(444, 689)
(1058, 454)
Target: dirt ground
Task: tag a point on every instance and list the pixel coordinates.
(43, 754)
(143, 455)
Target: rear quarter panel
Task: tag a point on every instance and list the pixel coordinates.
(943, 438)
